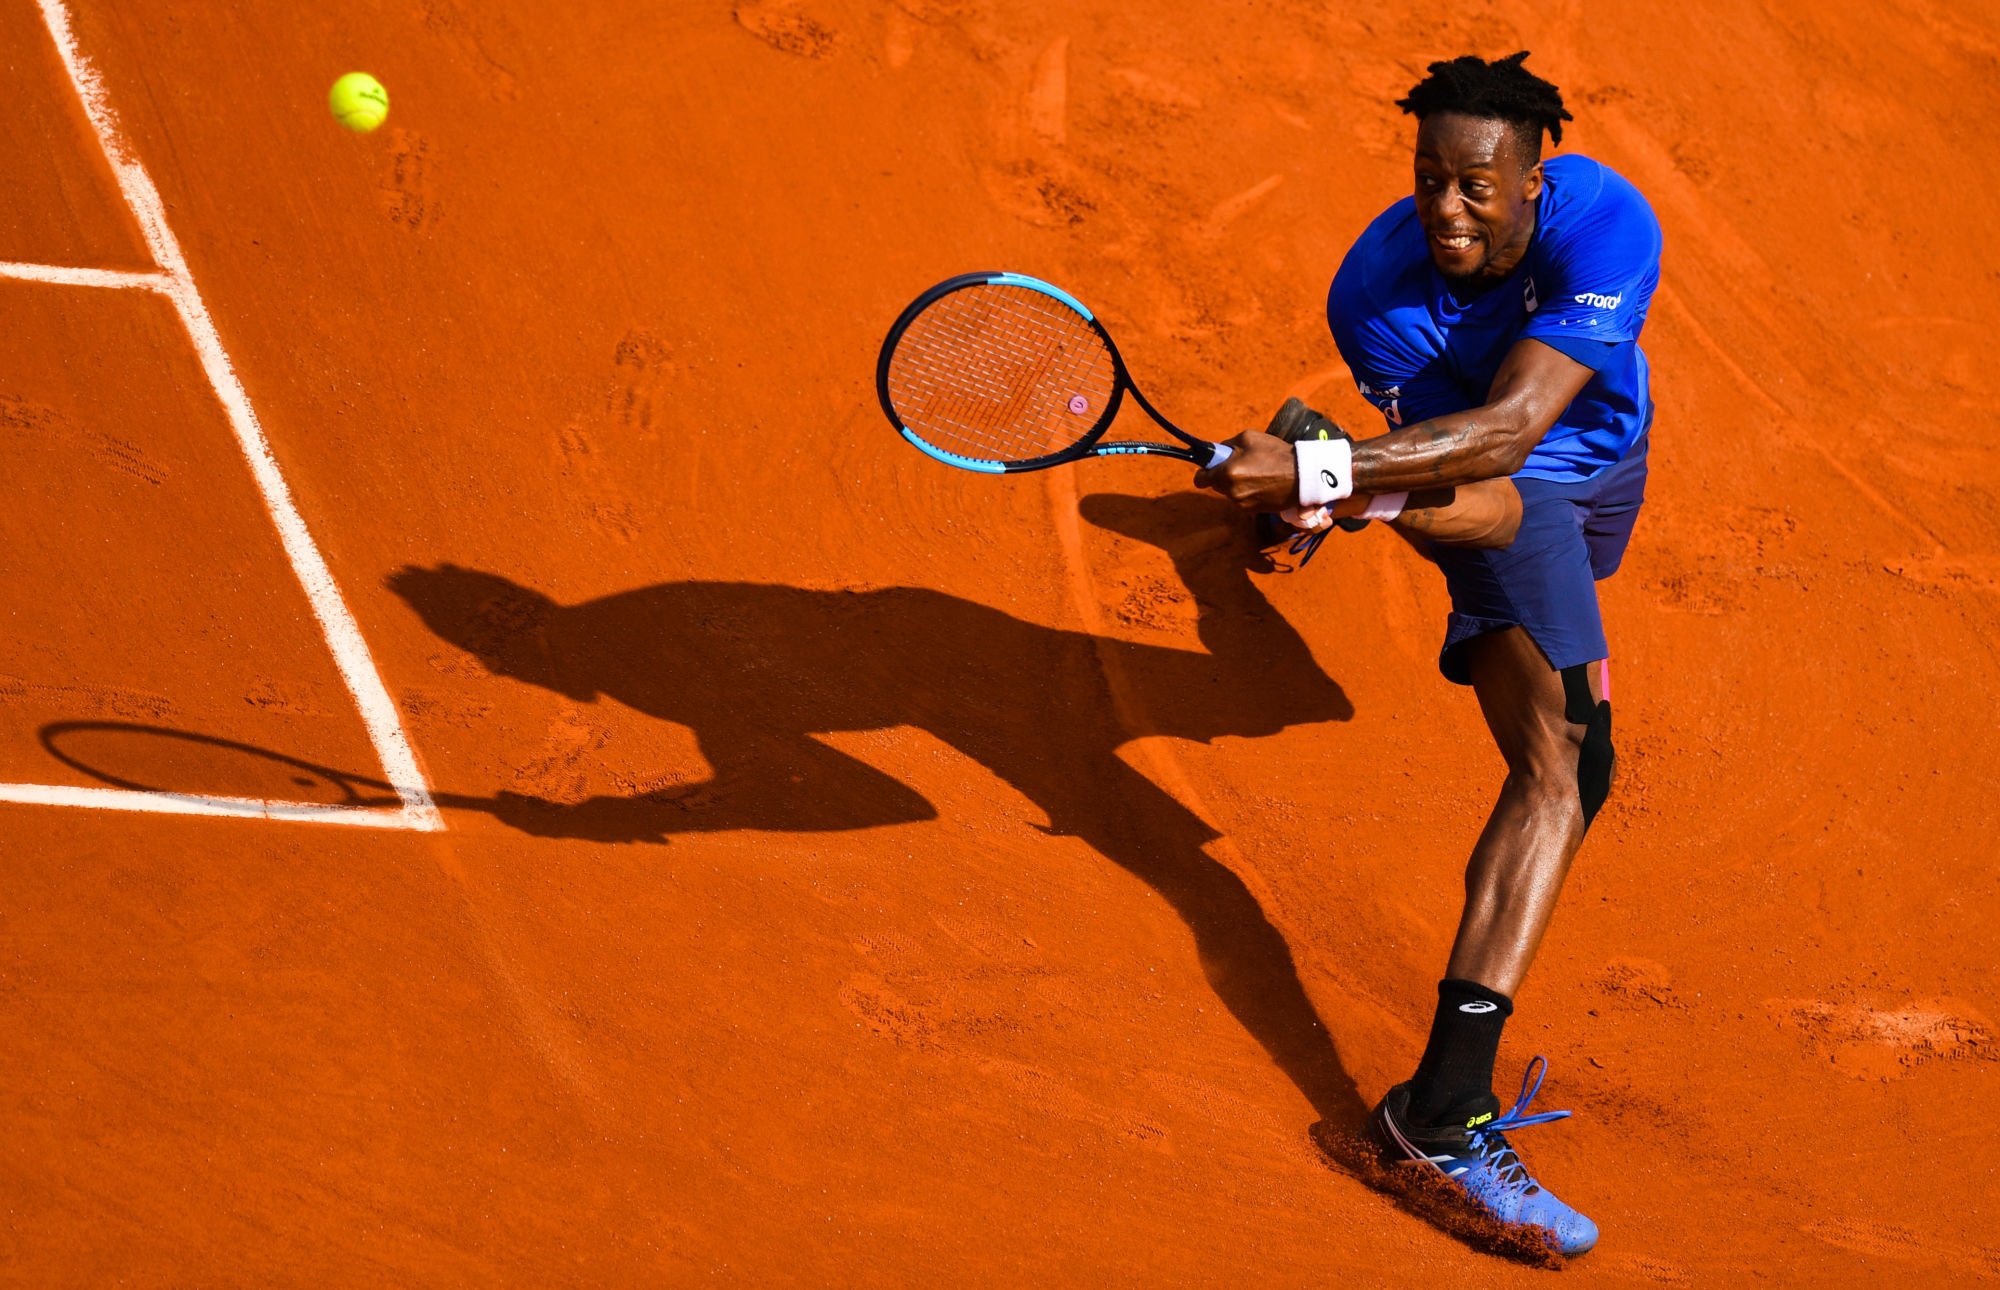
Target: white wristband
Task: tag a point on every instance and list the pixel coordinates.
(1326, 471)
(1385, 506)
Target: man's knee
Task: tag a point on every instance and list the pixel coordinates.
(1595, 757)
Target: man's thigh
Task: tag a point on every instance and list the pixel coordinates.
(1553, 725)
(1571, 537)
(1520, 696)
(1543, 583)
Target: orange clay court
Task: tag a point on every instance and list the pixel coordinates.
(704, 840)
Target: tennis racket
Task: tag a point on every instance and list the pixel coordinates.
(1000, 373)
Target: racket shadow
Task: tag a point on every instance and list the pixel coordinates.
(163, 759)
(756, 670)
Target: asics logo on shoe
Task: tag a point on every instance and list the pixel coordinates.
(1480, 1159)
(1479, 1006)
(1596, 301)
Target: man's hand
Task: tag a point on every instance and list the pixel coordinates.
(1262, 473)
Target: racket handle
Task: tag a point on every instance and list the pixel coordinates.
(1221, 452)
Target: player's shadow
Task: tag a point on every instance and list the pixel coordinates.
(757, 670)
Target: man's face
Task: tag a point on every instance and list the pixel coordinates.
(1475, 195)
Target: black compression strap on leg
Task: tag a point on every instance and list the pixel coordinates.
(1594, 762)
(1596, 759)
(1578, 706)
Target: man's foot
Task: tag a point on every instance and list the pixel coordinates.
(1472, 1150)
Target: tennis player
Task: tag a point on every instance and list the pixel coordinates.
(1494, 318)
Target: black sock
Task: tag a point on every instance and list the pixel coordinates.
(1458, 1060)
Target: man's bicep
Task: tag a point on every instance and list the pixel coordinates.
(1537, 381)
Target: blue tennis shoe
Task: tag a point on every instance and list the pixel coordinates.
(1472, 1150)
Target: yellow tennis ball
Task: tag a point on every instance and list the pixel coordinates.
(358, 102)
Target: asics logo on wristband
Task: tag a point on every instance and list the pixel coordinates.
(1478, 1006)
(1326, 470)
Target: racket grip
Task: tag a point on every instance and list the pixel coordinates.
(1219, 453)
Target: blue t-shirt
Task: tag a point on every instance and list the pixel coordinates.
(1583, 288)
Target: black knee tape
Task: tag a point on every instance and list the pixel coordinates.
(1594, 762)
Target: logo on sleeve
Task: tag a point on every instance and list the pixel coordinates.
(1528, 297)
(1385, 397)
(1596, 301)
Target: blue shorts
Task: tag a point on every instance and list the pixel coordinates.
(1572, 536)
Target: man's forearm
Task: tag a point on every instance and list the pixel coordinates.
(1461, 448)
(1482, 515)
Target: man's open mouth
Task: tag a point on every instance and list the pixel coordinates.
(1455, 241)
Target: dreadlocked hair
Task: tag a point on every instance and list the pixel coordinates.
(1501, 90)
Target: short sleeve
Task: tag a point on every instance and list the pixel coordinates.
(1395, 355)
(1600, 270)
(1593, 354)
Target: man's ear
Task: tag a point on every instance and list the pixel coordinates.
(1532, 188)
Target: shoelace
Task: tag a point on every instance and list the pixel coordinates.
(1305, 544)
(1489, 1140)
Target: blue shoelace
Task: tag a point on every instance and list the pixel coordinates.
(1305, 544)
(1489, 1140)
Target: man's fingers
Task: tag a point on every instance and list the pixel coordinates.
(1220, 478)
(1261, 473)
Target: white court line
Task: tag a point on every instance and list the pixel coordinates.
(241, 808)
(64, 275)
(343, 635)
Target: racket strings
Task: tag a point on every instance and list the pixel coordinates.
(1000, 373)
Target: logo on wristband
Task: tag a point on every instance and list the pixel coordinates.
(1479, 1006)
